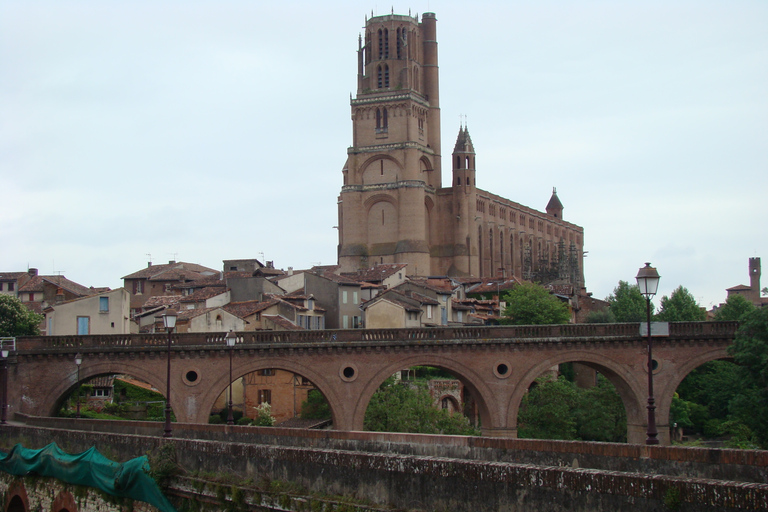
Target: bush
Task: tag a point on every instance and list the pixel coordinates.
(244, 421)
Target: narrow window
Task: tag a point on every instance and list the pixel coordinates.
(344, 297)
(354, 298)
(83, 325)
(400, 43)
(103, 304)
(458, 180)
(381, 44)
(378, 118)
(380, 79)
(467, 180)
(31, 296)
(265, 396)
(10, 286)
(345, 322)
(382, 167)
(385, 124)
(386, 43)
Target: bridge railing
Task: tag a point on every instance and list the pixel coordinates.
(677, 330)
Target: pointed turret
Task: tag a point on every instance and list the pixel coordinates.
(463, 160)
(554, 206)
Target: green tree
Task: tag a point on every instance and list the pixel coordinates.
(680, 306)
(532, 304)
(16, 319)
(750, 351)
(546, 411)
(315, 407)
(603, 316)
(627, 304)
(734, 308)
(408, 407)
(600, 413)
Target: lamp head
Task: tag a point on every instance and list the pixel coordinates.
(169, 319)
(648, 281)
(78, 359)
(5, 353)
(231, 338)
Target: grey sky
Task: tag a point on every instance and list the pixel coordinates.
(203, 131)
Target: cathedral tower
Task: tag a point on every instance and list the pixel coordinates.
(392, 172)
(464, 200)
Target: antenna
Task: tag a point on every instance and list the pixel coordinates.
(149, 256)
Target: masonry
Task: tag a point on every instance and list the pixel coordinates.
(422, 472)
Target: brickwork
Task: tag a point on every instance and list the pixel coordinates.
(495, 365)
(49, 494)
(397, 470)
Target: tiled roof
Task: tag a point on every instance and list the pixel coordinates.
(162, 300)
(739, 288)
(35, 307)
(376, 274)
(248, 308)
(153, 271)
(205, 293)
(37, 284)
(283, 322)
(494, 285)
(8, 276)
(336, 278)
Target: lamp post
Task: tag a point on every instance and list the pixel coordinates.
(231, 338)
(78, 362)
(648, 282)
(169, 322)
(5, 353)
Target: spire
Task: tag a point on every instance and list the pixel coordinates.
(463, 142)
(554, 206)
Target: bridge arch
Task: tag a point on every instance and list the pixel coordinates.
(220, 382)
(664, 392)
(486, 401)
(88, 370)
(632, 392)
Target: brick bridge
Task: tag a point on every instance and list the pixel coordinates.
(496, 364)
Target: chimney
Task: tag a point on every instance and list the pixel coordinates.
(59, 295)
(270, 264)
(290, 271)
(32, 272)
(149, 264)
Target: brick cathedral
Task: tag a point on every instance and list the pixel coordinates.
(393, 207)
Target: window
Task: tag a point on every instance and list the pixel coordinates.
(355, 322)
(100, 392)
(31, 296)
(345, 322)
(83, 325)
(138, 287)
(11, 286)
(429, 311)
(265, 395)
(266, 372)
(344, 297)
(103, 304)
(354, 298)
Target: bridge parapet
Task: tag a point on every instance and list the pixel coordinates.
(491, 334)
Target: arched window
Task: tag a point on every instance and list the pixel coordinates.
(381, 44)
(378, 119)
(400, 41)
(385, 123)
(386, 75)
(386, 43)
(379, 77)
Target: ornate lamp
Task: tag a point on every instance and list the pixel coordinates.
(648, 282)
(169, 322)
(231, 338)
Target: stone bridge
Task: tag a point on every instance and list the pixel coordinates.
(496, 364)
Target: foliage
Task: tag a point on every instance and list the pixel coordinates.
(680, 306)
(264, 416)
(734, 308)
(558, 409)
(16, 319)
(408, 407)
(315, 407)
(750, 351)
(603, 316)
(127, 392)
(532, 304)
(163, 465)
(627, 303)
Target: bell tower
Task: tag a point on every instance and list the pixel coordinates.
(464, 205)
(388, 198)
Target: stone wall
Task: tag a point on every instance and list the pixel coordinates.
(49, 494)
(447, 482)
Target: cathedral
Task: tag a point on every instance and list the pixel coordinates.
(393, 207)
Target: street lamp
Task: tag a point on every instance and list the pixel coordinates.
(231, 338)
(648, 282)
(5, 353)
(169, 322)
(78, 362)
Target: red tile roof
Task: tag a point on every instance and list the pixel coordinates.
(248, 308)
(376, 274)
(37, 284)
(155, 271)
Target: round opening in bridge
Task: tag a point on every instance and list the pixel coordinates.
(654, 365)
(192, 376)
(348, 372)
(502, 369)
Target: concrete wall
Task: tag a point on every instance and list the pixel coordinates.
(455, 473)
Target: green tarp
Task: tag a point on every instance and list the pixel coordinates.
(90, 469)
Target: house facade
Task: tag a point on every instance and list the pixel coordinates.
(102, 313)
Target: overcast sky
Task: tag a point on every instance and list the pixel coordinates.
(209, 130)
